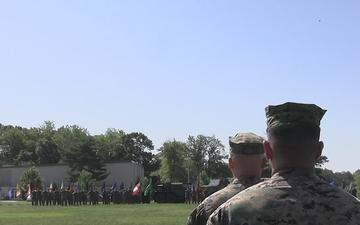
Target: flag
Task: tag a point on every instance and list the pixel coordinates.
(149, 188)
(18, 191)
(62, 185)
(113, 188)
(10, 193)
(103, 188)
(137, 190)
(29, 193)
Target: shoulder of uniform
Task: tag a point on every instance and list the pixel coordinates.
(219, 216)
(198, 215)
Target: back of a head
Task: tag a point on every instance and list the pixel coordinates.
(294, 132)
(246, 154)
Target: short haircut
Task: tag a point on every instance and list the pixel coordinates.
(296, 133)
(292, 142)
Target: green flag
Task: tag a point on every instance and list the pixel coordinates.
(149, 188)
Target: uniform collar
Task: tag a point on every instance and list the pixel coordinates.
(246, 180)
(295, 172)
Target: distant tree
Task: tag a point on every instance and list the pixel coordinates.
(110, 146)
(215, 158)
(77, 148)
(319, 168)
(119, 146)
(204, 178)
(223, 171)
(205, 154)
(30, 177)
(47, 152)
(138, 147)
(327, 174)
(12, 143)
(85, 180)
(46, 148)
(321, 161)
(341, 179)
(28, 154)
(357, 181)
(197, 153)
(173, 168)
(150, 163)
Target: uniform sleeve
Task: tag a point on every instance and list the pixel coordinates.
(197, 216)
(220, 216)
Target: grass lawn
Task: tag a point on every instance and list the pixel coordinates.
(22, 213)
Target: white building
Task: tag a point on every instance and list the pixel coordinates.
(120, 172)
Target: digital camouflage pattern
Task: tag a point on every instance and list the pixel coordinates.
(292, 196)
(246, 144)
(290, 114)
(200, 215)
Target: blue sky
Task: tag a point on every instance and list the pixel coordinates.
(176, 68)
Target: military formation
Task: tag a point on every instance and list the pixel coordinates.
(70, 197)
(294, 194)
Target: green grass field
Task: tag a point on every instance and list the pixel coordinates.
(22, 213)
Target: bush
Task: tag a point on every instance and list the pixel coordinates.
(85, 180)
(30, 176)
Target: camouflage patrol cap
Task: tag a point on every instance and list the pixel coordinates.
(246, 144)
(292, 114)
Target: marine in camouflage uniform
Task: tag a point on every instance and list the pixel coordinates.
(249, 147)
(294, 194)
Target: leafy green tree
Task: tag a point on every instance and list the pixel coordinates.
(77, 148)
(321, 161)
(85, 180)
(117, 145)
(46, 148)
(30, 177)
(12, 143)
(206, 154)
(46, 151)
(173, 168)
(342, 179)
(110, 146)
(215, 155)
(138, 147)
(357, 182)
(19, 145)
(204, 178)
(197, 147)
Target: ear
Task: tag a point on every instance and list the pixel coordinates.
(231, 163)
(268, 150)
(319, 149)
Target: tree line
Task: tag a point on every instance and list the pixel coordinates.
(196, 160)
(75, 146)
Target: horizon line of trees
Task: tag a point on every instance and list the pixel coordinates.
(75, 146)
(196, 161)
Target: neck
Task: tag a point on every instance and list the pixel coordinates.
(303, 168)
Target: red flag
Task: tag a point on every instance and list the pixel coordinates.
(136, 190)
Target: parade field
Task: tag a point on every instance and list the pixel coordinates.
(22, 213)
